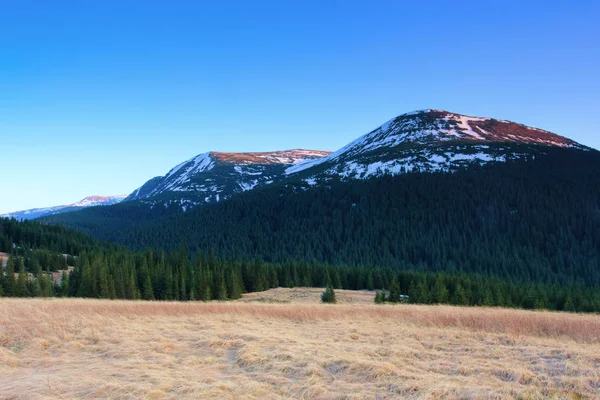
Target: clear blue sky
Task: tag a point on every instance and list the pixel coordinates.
(96, 97)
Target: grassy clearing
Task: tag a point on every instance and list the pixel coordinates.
(63, 349)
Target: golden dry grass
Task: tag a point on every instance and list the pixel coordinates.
(64, 349)
(307, 295)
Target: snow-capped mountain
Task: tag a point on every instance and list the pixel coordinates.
(91, 201)
(214, 176)
(425, 140)
(430, 140)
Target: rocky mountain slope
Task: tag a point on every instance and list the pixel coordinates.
(426, 140)
(214, 176)
(431, 140)
(90, 201)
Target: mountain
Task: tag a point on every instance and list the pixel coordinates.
(431, 140)
(215, 176)
(427, 191)
(425, 140)
(90, 201)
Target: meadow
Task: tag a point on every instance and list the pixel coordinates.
(283, 344)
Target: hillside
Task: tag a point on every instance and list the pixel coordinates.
(532, 220)
(216, 176)
(431, 140)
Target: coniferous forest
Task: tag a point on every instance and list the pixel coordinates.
(521, 235)
(534, 221)
(111, 272)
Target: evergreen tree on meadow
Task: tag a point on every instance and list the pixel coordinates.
(394, 295)
(328, 295)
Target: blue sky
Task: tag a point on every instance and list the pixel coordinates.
(96, 97)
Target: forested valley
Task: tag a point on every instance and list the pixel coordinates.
(101, 270)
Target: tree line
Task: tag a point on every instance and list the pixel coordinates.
(149, 275)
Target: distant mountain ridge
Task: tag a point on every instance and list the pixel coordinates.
(215, 176)
(90, 201)
(431, 140)
(424, 140)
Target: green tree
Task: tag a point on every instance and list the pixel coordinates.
(460, 297)
(440, 292)
(394, 295)
(221, 289)
(328, 295)
(9, 278)
(22, 290)
(147, 291)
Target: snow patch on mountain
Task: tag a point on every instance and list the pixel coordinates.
(91, 201)
(214, 176)
(407, 138)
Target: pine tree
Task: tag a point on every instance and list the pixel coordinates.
(328, 295)
(22, 290)
(9, 278)
(131, 287)
(440, 291)
(335, 277)
(147, 291)
(104, 286)
(207, 294)
(273, 279)
(221, 289)
(236, 287)
(379, 297)
(460, 297)
(64, 285)
(168, 283)
(394, 295)
(36, 288)
(569, 304)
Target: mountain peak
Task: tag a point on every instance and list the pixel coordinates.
(432, 140)
(268, 158)
(214, 176)
(434, 126)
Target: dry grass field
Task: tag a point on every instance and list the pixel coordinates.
(88, 349)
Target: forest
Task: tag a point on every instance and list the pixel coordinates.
(102, 270)
(529, 221)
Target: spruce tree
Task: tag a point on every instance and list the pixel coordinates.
(328, 295)
(440, 291)
(236, 287)
(9, 278)
(147, 291)
(64, 285)
(394, 295)
(22, 290)
(459, 298)
(221, 289)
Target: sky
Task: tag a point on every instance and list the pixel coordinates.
(97, 97)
